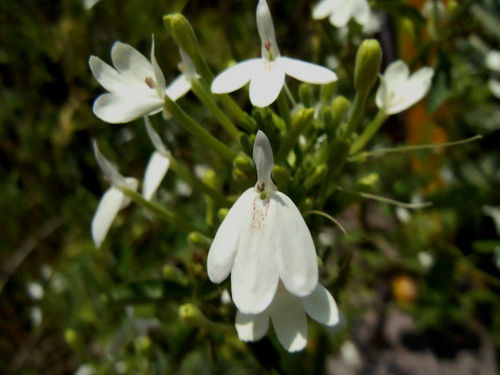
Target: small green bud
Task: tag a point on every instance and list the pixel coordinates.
(142, 344)
(327, 92)
(244, 162)
(305, 94)
(335, 114)
(183, 33)
(368, 60)
(192, 315)
(198, 239)
(316, 177)
(245, 143)
(222, 213)
(281, 176)
(171, 273)
(71, 337)
(210, 178)
(369, 180)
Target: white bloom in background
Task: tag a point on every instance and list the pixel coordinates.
(225, 297)
(425, 259)
(112, 201)
(89, 4)
(35, 290)
(434, 9)
(36, 316)
(492, 60)
(494, 86)
(267, 73)
(288, 315)
(136, 86)
(341, 11)
(350, 353)
(398, 90)
(263, 239)
(158, 163)
(403, 214)
(494, 213)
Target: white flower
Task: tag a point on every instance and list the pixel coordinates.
(494, 85)
(136, 86)
(88, 4)
(35, 290)
(112, 201)
(287, 313)
(398, 90)
(425, 259)
(492, 60)
(267, 73)
(263, 239)
(158, 163)
(341, 11)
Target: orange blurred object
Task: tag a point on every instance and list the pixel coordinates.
(404, 289)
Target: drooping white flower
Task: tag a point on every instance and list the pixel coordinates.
(136, 86)
(263, 239)
(267, 73)
(398, 90)
(341, 11)
(288, 315)
(158, 163)
(112, 201)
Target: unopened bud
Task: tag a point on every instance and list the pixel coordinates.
(244, 162)
(316, 177)
(305, 94)
(368, 60)
(281, 176)
(335, 114)
(192, 315)
(209, 177)
(71, 337)
(327, 91)
(369, 180)
(183, 33)
(198, 239)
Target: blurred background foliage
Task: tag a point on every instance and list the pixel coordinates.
(67, 307)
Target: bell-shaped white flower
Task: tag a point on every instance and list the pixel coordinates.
(136, 86)
(267, 74)
(288, 315)
(158, 163)
(341, 11)
(398, 90)
(263, 239)
(112, 201)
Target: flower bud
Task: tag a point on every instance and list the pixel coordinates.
(244, 162)
(71, 337)
(210, 178)
(368, 60)
(369, 180)
(305, 94)
(183, 33)
(335, 114)
(222, 213)
(192, 315)
(327, 91)
(316, 177)
(281, 176)
(198, 239)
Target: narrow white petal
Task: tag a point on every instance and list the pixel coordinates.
(158, 74)
(117, 109)
(254, 276)
(267, 83)
(155, 171)
(361, 11)
(321, 306)
(108, 168)
(289, 321)
(265, 27)
(110, 204)
(264, 160)
(307, 72)
(251, 327)
(130, 62)
(223, 249)
(296, 254)
(382, 96)
(178, 88)
(323, 9)
(341, 14)
(108, 77)
(155, 137)
(397, 73)
(235, 77)
(132, 184)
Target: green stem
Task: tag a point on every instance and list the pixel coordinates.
(284, 110)
(357, 111)
(408, 148)
(369, 132)
(301, 120)
(169, 216)
(186, 175)
(290, 96)
(197, 131)
(386, 200)
(206, 98)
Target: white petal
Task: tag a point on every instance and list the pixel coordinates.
(254, 276)
(251, 327)
(324, 8)
(158, 74)
(267, 83)
(108, 77)
(296, 254)
(264, 160)
(289, 321)
(130, 62)
(307, 72)
(223, 249)
(321, 306)
(265, 25)
(108, 168)
(111, 202)
(117, 109)
(382, 96)
(494, 86)
(155, 137)
(178, 88)
(396, 74)
(341, 14)
(235, 77)
(155, 171)
(132, 184)
(361, 11)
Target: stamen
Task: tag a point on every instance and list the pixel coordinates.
(267, 45)
(261, 186)
(150, 82)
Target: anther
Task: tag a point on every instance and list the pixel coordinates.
(150, 82)
(267, 45)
